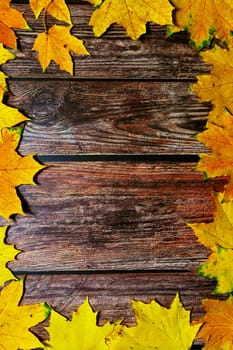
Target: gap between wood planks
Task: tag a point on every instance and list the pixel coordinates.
(150, 158)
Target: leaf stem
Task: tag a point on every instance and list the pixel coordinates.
(45, 13)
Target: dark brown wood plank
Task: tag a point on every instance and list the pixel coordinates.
(113, 56)
(109, 117)
(113, 216)
(111, 293)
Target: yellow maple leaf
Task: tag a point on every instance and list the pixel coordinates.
(217, 87)
(218, 236)
(15, 170)
(9, 116)
(10, 18)
(7, 254)
(157, 328)
(205, 19)
(95, 2)
(219, 232)
(80, 333)
(217, 330)
(5, 55)
(3, 88)
(219, 267)
(219, 163)
(56, 45)
(56, 8)
(132, 15)
(16, 320)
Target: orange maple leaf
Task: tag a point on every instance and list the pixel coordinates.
(217, 87)
(15, 170)
(219, 138)
(10, 18)
(217, 330)
(56, 8)
(132, 15)
(56, 45)
(205, 19)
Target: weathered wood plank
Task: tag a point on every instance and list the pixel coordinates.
(109, 117)
(113, 216)
(111, 293)
(114, 55)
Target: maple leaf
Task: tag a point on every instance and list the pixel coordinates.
(219, 232)
(10, 18)
(132, 15)
(15, 170)
(3, 88)
(219, 162)
(56, 8)
(217, 330)
(5, 55)
(96, 3)
(56, 45)
(205, 19)
(9, 116)
(16, 320)
(217, 87)
(219, 267)
(218, 236)
(7, 253)
(79, 333)
(157, 328)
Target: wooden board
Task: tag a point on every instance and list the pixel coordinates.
(114, 56)
(110, 293)
(113, 216)
(72, 117)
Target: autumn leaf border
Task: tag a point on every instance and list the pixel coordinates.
(49, 10)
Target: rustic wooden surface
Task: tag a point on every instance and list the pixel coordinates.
(108, 219)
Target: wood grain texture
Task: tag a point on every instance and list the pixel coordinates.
(114, 56)
(113, 216)
(111, 293)
(70, 117)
